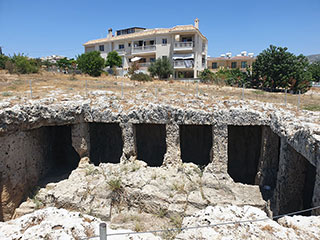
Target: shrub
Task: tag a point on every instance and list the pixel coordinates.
(113, 60)
(91, 63)
(22, 64)
(206, 76)
(3, 60)
(141, 77)
(161, 68)
(133, 68)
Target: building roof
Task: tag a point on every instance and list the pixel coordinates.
(145, 33)
(231, 58)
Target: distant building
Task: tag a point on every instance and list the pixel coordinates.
(226, 61)
(52, 58)
(185, 46)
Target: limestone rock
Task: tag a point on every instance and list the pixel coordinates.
(296, 227)
(53, 223)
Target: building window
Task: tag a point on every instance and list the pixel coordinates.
(164, 57)
(129, 44)
(214, 65)
(121, 46)
(164, 41)
(143, 60)
(152, 42)
(101, 48)
(243, 64)
(233, 64)
(152, 59)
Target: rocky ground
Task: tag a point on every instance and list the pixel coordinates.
(128, 194)
(52, 223)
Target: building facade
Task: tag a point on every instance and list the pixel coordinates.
(226, 61)
(185, 46)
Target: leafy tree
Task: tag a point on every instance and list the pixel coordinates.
(275, 68)
(91, 63)
(23, 65)
(3, 60)
(113, 60)
(64, 64)
(314, 69)
(161, 68)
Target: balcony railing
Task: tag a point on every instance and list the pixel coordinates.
(183, 45)
(183, 64)
(148, 48)
(120, 51)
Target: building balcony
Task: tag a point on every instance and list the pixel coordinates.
(188, 64)
(183, 46)
(144, 49)
(120, 51)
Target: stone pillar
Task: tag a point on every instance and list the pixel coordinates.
(81, 139)
(128, 137)
(173, 154)
(220, 148)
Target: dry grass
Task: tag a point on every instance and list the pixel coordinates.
(63, 86)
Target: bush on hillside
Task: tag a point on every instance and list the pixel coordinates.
(91, 63)
(3, 60)
(21, 64)
(141, 77)
(206, 76)
(161, 68)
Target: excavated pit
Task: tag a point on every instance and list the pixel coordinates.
(249, 148)
(31, 158)
(150, 140)
(196, 144)
(106, 143)
(60, 155)
(296, 187)
(244, 145)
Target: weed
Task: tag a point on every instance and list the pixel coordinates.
(259, 92)
(179, 187)
(312, 107)
(6, 94)
(154, 176)
(91, 170)
(162, 212)
(138, 227)
(176, 220)
(115, 184)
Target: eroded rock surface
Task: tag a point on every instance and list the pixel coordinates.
(54, 224)
(108, 189)
(296, 227)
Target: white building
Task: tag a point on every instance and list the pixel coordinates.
(185, 46)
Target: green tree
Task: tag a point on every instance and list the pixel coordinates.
(161, 68)
(206, 76)
(3, 60)
(64, 64)
(275, 68)
(314, 69)
(24, 65)
(91, 63)
(113, 60)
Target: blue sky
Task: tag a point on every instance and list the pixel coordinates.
(45, 27)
